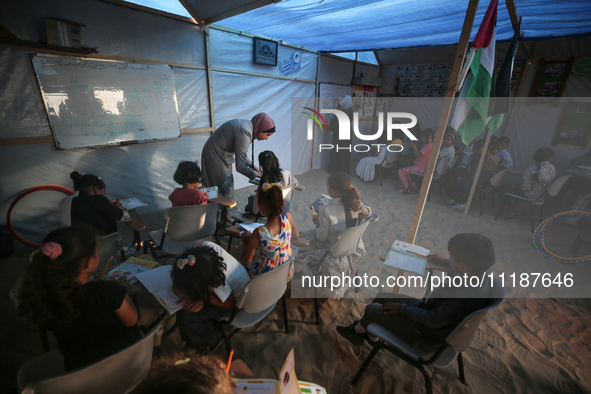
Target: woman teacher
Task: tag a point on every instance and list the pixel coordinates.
(229, 140)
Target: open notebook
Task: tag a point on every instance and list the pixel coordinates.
(159, 283)
(407, 257)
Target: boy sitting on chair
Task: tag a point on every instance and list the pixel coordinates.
(426, 323)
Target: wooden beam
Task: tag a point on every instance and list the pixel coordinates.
(198, 130)
(45, 48)
(209, 79)
(513, 14)
(443, 118)
(316, 107)
(198, 19)
(152, 11)
(26, 140)
(478, 169)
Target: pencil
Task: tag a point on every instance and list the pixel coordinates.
(229, 362)
(105, 270)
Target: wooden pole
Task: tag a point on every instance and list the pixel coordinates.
(478, 169)
(209, 77)
(443, 118)
(316, 107)
(515, 23)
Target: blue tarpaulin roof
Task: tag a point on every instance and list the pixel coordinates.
(361, 25)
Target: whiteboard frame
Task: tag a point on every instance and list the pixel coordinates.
(115, 143)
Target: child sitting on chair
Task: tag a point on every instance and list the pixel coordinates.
(270, 245)
(272, 173)
(90, 320)
(334, 217)
(426, 323)
(188, 174)
(92, 208)
(211, 280)
(420, 163)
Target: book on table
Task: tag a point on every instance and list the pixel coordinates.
(159, 283)
(129, 269)
(132, 203)
(407, 257)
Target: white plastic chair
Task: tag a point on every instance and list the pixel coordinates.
(346, 244)
(456, 342)
(551, 192)
(490, 188)
(260, 296)
(183, 228)
(119, 373)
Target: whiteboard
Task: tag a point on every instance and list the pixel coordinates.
(97, 102)
(328, 92)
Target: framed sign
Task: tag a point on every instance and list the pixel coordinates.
(265, 52)
(551, 78)
(575, 127)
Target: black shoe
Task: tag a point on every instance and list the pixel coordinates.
(349, 334)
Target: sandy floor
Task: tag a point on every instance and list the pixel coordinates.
(527, 345)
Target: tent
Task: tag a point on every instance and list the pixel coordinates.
(215, 79)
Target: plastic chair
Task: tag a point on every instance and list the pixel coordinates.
(346, 244)
(258, 300)
(183, 228)
(456, 342)
(119, 373)
(107, 247)
(389, 162)
(551, 192)
(490, 188)
(440, 170)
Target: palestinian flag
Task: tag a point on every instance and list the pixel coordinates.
(471, 112)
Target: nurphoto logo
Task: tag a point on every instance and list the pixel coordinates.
(393, 120)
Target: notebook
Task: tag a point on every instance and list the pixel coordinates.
(159, 283)
(407, 257)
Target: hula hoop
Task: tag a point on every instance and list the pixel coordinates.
(540, 236)
(25, 193)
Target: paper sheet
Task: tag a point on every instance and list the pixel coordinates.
(132, 203)
(250, 227)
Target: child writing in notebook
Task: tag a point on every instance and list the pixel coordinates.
(93, 208)
(211, 280)
(188, 174)
(90, 320)
(334, 216)
(269, 246)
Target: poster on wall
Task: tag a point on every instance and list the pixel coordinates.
(551, 78)
(422, 81)
(575, 127)
(364, 100)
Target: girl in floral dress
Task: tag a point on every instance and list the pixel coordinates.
(269, 246)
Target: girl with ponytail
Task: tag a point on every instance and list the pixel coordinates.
(90, 320)
(334, 216)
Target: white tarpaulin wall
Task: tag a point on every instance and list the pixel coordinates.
(143, 170)
(242, 96)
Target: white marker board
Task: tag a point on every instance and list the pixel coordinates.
(96, 102)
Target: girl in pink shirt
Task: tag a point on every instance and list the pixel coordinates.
(422, 157)
(188, 174)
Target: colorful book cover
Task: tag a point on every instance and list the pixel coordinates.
(129, 269)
